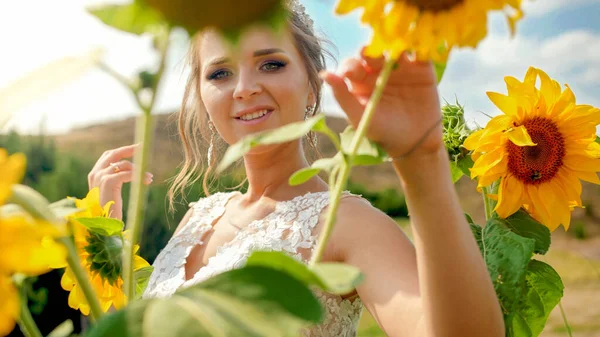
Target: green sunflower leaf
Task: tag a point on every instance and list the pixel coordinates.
(523, 224)
(543, 291)
(251, 301)
(456, 172)
(196, 15)
(282, 134)
(506, 255)
(324, 164)
(101, 225)
(132, 18)
(141, 277)
(367, 153)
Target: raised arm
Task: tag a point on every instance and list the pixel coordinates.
(440, 286)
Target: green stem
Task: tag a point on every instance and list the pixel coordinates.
(487, 203)
(26, 322)
(137, 201)
(562, 312)
(83, 282)
(342, 177)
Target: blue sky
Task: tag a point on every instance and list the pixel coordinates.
(560, 36)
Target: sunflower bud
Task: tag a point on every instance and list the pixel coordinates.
(455, 130)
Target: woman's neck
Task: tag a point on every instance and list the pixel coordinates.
(268, 173)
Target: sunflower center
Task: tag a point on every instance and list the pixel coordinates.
(434, 5)
(537, 164)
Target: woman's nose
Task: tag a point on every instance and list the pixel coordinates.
(246, 86)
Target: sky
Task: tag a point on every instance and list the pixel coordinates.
(562, 37)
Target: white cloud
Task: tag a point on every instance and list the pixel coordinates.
(570, 58)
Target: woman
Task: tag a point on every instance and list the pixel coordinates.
(438, 287)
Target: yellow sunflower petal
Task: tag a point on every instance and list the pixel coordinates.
(486, 162)
(547, 88)
(509, 196)
(537, 202)
(554, 199)
(565, 102)
(474, 138)
(9, 305)
(506, 104)
(139, 262)
(519, 136)
(582, 163)
(531, 76)
(12, 170)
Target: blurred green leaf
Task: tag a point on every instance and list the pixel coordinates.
(132, 18)
(339, 278)
(335, 278)
(32, 202)
(523, 224)
(63, 330)
(282, 134)
(250, 301)
(101, 225)
(440, 69)
(324, 164)
(456, 172)
(543, 291)
(367, 153)
(141, 278)
(230, 16)
(43, 81)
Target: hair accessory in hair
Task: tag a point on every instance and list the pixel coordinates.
(297, 8)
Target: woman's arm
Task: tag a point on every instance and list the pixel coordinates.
(438, 287)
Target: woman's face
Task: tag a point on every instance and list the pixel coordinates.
(260, 84)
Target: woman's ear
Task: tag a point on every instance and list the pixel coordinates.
(312, 100)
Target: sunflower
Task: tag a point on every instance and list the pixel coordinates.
(12, 170)
(27, 245)
(100, 256)
(540, 148)
(430, 28)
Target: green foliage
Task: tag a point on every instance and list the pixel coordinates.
(102, 226)
(523, 224)
(105, 255)
(132, 18)
(195, 15)
(283, 134)
(142, 276)
(367, 153)
(506, 255)
(440, 68)
(324, 164)
(528, 290)
(335, 278)
(455, 133)
(250, 301)
(543, 291)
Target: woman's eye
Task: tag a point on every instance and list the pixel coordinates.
(273, 65)
(219, 74)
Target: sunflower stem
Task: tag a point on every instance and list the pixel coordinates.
(26, 322)
(487, 203)
(342, 175)
(562, 313)
(83, 282)
(137, 202)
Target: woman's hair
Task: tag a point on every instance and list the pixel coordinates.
(192, 119)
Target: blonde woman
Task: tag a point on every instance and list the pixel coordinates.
(438, 286)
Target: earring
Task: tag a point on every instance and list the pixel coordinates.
(312, 137)
(309, 112)
(211, 127)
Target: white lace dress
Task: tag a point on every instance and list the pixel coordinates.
(290, 228)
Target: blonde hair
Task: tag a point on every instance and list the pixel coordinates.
(192, 119)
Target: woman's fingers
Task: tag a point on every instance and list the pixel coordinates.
(115, 155)
(347, 101)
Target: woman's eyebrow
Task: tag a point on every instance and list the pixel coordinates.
(261, 52)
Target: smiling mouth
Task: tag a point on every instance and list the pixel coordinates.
(254, 116)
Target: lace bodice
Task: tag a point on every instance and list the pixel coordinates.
(290, 228)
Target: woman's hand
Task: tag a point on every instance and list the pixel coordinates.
(110, 172)
(408, 110)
